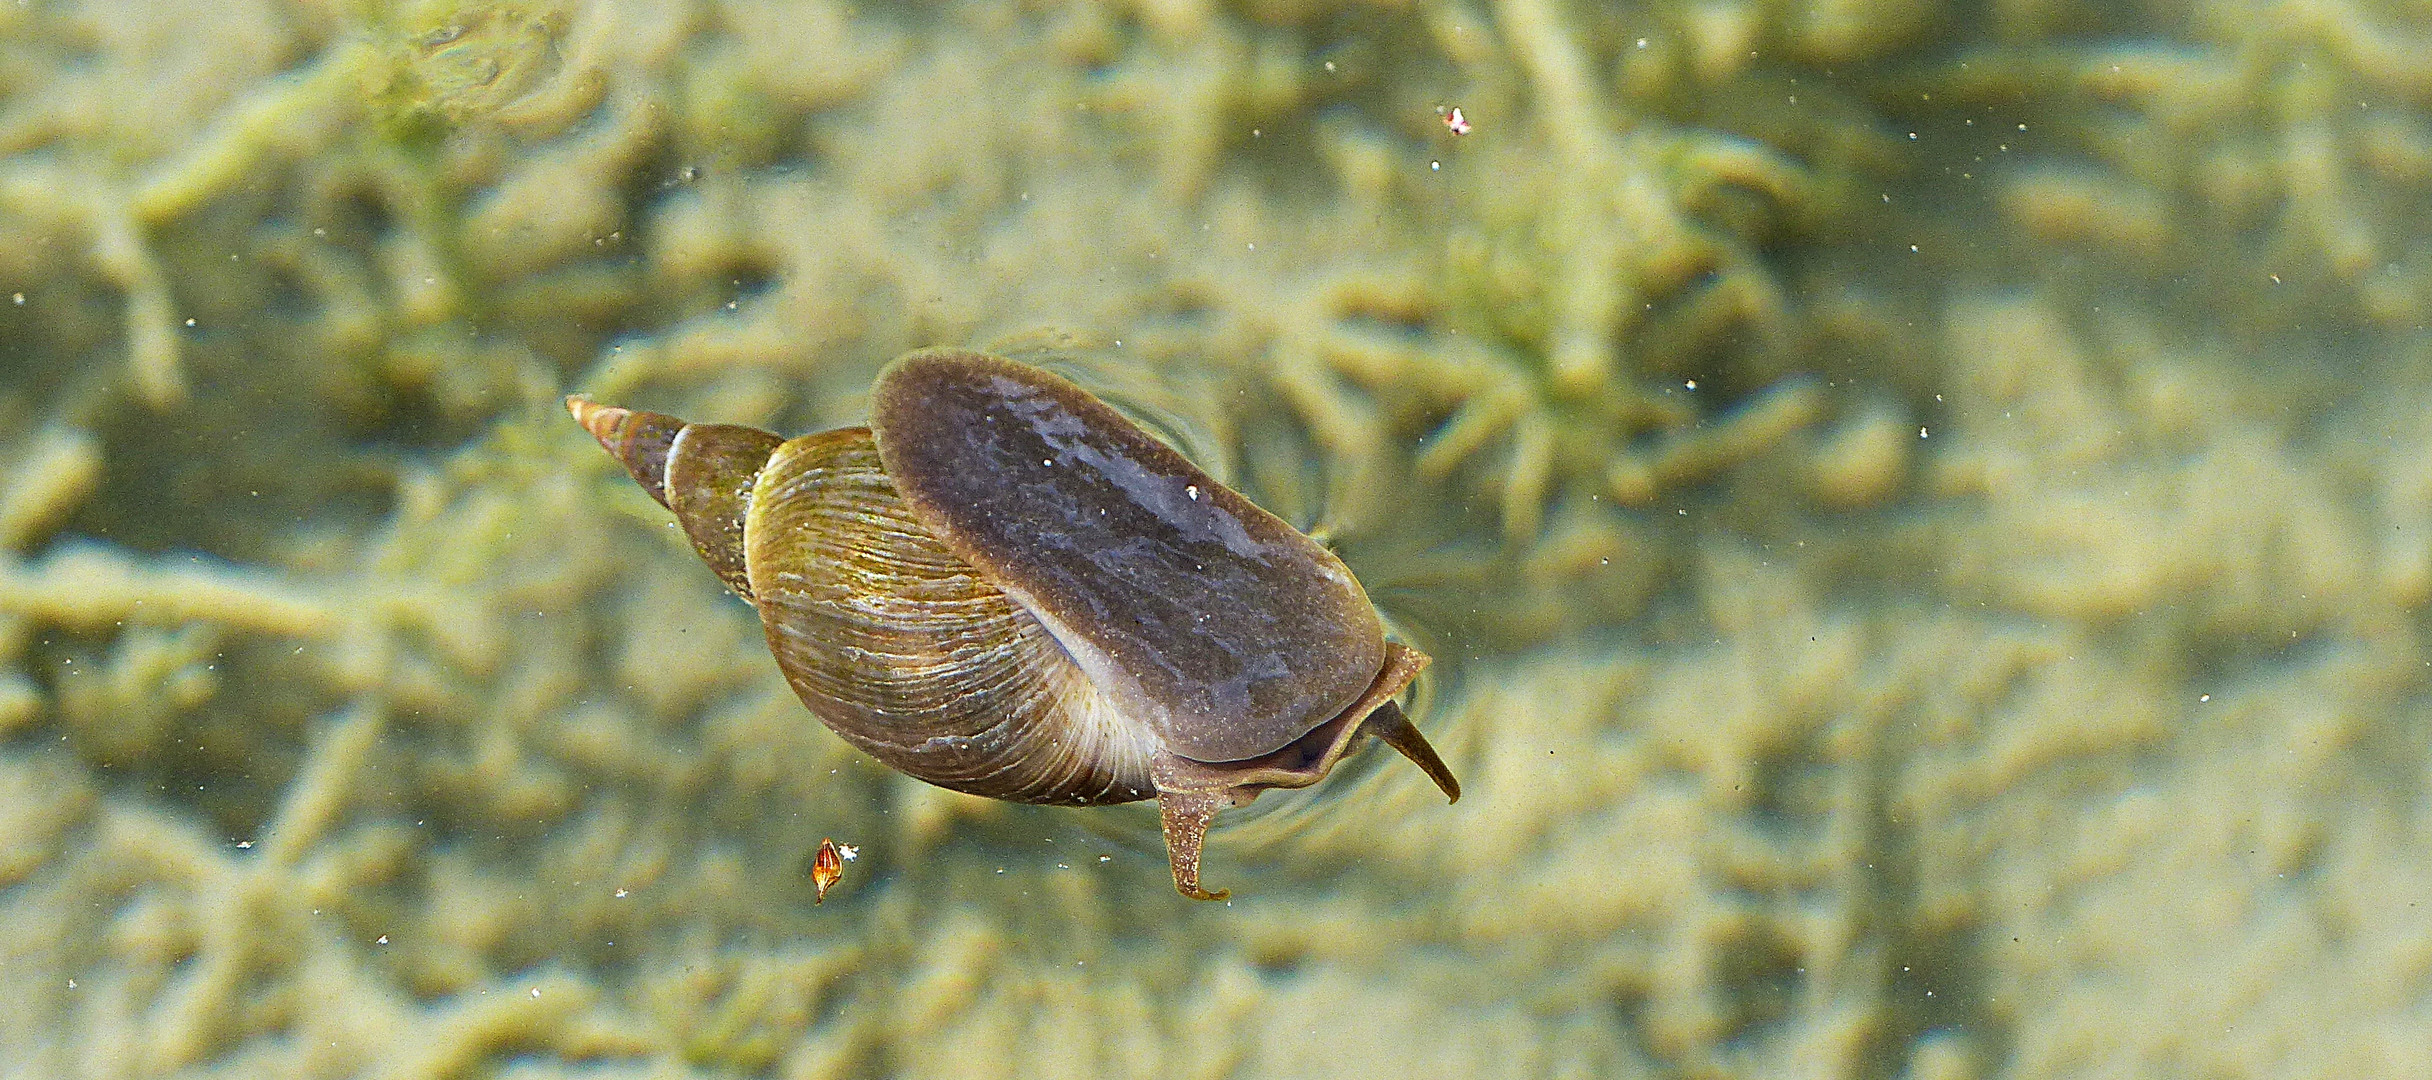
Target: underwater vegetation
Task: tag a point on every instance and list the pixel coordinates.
(1920, 510)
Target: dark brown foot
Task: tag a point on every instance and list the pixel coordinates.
(1388, 723)
(1187, 816)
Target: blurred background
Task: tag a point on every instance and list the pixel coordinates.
(1923, 510)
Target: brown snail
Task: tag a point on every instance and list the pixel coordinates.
(1004, 587)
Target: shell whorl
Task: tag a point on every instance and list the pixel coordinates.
(702, 472)
(898, 645)
(907, 652)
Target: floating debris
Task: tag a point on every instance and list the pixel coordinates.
(828, 866)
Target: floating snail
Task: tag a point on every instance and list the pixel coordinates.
(1004, 587)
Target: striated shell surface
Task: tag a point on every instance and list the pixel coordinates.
(907, 652)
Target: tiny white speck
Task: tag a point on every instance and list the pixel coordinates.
(18, 298)
(1642, 43)
(536, 993)
(1106, 858)
(621, 894)
(189, 322)
(1690, 384)
(848, 852)
(2203, 697)
(1191, 490)
(1921, 433)
(1432, 166)
(383, 940)
(1049, 462)
(243, 845)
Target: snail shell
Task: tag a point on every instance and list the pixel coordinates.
(1004, 587)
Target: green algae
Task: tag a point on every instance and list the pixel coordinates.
(1924, 526)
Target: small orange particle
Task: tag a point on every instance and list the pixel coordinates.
(826, 867)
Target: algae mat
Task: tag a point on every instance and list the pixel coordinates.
(1922, 509)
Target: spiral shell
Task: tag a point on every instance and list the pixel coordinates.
(1004, 587)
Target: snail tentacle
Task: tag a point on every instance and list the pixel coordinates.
(1186, 816)
(1394, 729)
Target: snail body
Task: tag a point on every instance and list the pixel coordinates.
(1004, 587)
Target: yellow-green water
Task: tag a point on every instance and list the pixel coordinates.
(1923, 511)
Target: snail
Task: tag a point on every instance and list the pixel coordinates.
(1004, 587)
